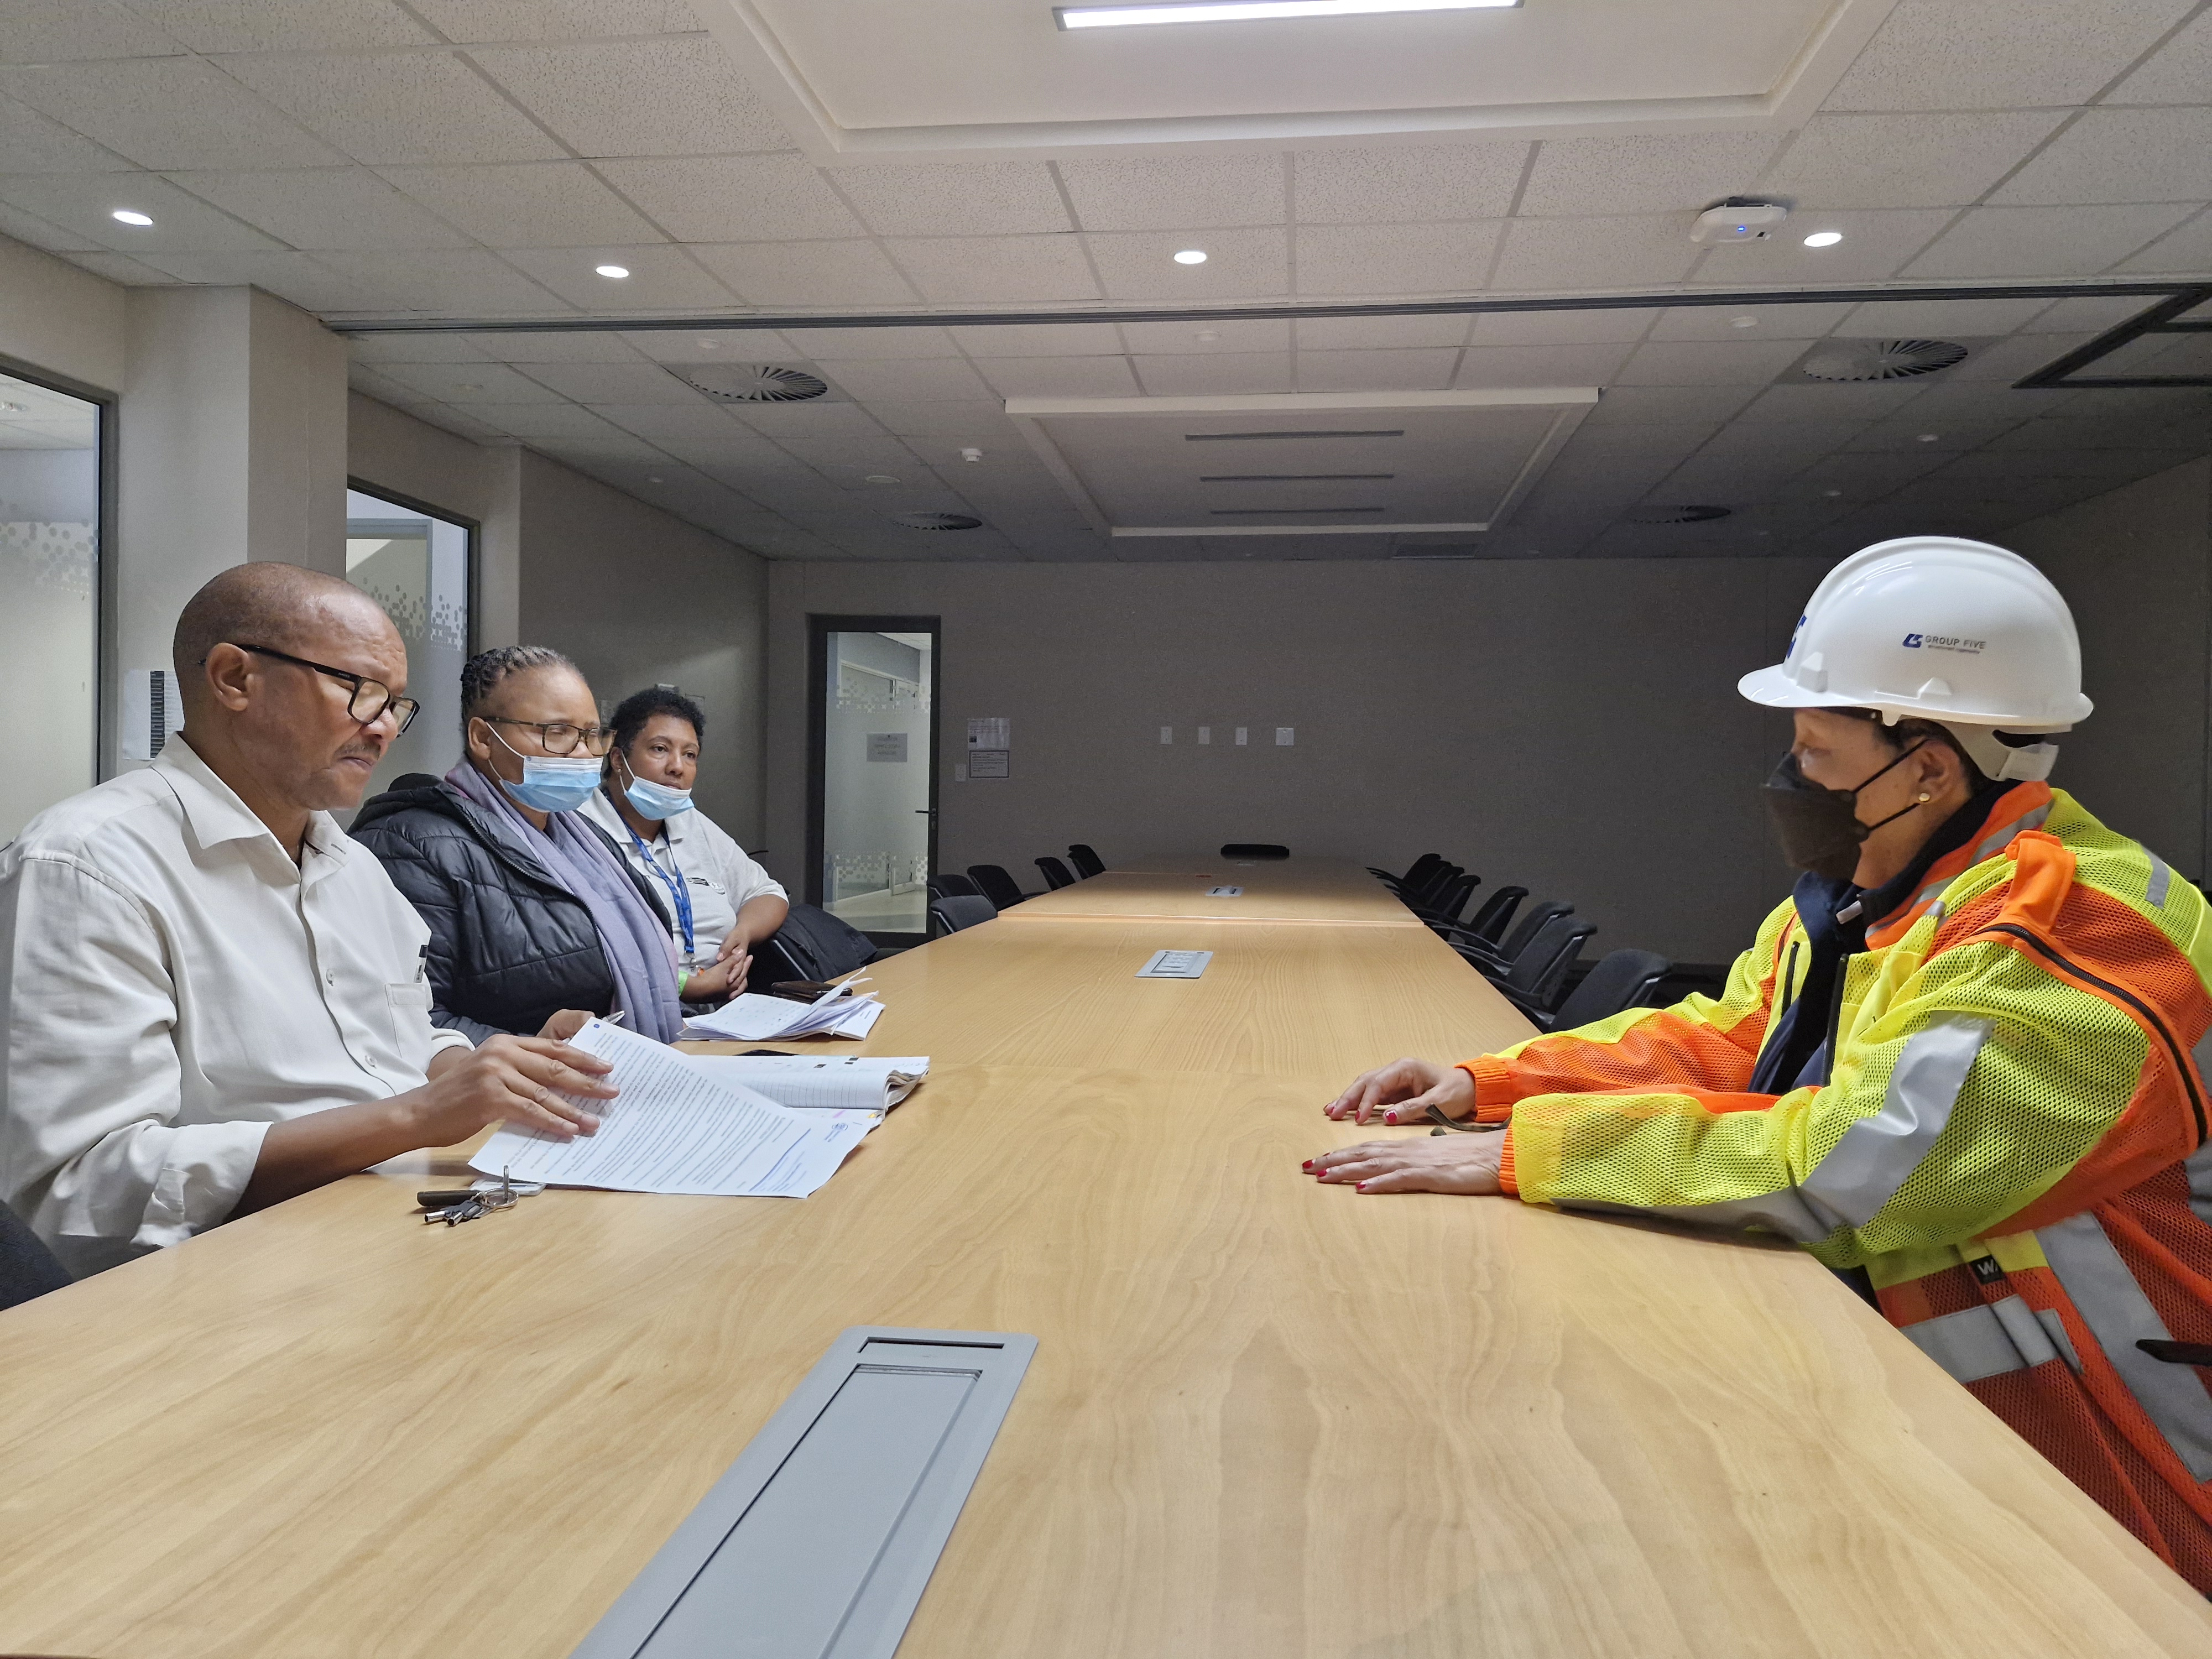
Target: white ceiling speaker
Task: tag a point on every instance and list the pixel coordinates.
(1882, 360)
(1738, 219)
(750, 383)
(1678, 514)
(936, 521)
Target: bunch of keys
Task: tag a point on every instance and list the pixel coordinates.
(462, 1204)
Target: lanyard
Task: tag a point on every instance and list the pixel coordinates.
(678, 888)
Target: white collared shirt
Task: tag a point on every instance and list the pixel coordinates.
(173, 984)
(714, 870)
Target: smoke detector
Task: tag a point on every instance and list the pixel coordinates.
(1738, 219)
(936, 521)
(750, 383)
(1678, 514)
(1882, 359)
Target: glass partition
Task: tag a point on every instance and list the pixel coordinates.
(416, 565)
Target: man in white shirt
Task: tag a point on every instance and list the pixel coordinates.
(214, 1000)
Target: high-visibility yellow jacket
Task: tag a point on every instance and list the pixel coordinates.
(2012, 1141)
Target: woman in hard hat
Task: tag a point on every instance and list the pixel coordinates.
(1964, 1056)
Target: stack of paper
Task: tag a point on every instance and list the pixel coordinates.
(674, 1128)
(839, 1011)
(820, 1082)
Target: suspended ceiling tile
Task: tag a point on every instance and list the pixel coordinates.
(2185, 251)
(1179, 192)
(734, 199)
(1583, 177)
(841, 345)
(2043, 241)
(526, 204)
(453, 282)
(2177, 73)
(68, 31)
(536, 423)
(116, 267)
(2088, 313)
(1901, 160)
(468, 383)
(1969, 54)
(1229, 334)
(1404, 184)
(1482, 367)
(1415, 370)
(808, 274)
(1875, 245)
(614, 383)
(1954, 400)
(984, 198)
(302, 278)
(165, 112)
(1708, 362)
(1833, 402)
(1604, 325)
(985, 269)
(415, 349)
(1241, 264)
(390, 109)
(1755, 440)
(222, 26)
(1395, 260)
(32, 143)
(674, 96)
(1938, 319)
(2000, 362)
(84, 203)
(1922, 433)
(1197, 373)
(478, 21)
(661, 278)
(549, 347)
(1058, 377)
(698, 420)
(1594, 254)
(1379, 333)
(1040, 340)
(719, 345)
(1641, 405)
(1767, 322)
(973, 421)
(2123, 155)
(911, 380)
(315, 208)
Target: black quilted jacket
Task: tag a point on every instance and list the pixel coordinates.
(509, 947)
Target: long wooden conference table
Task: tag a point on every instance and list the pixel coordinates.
(1264, 1419)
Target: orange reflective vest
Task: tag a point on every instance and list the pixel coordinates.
(2012, 1141)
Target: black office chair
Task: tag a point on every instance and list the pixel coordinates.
(1087, 863)
(1488, 923)
(1532, 983)
(1416, 872)
(993, 882)
(1449, 898)
(1497, 959)
(1056, 874)
(945, 884)
(811, 945)
(1253, 850)
(949, 915)
(1620, 980)
(27, 1268)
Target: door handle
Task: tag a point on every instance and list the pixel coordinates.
(927, 811)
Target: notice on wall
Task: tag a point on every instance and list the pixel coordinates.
(886, 745)
(989, 763)
(991, 731)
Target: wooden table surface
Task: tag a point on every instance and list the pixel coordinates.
(1265, 1420)
(1323, 890)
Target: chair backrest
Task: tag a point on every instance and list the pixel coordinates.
(1056, 874)
(1253, 850)
(1087, 863)
(1433, 886)
(1620, 980)
(945, 884)
(27, 1268)
(1525, 930)
(993, 882)
(1420, 870)
(811, 945)
(1454, 897)
(1538, 971)
(1489, 921)
(950, 914)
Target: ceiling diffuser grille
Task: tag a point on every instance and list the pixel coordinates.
(750, 383)
(1882, 360)
(1678, 514)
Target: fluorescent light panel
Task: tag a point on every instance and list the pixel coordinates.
(1243, 11)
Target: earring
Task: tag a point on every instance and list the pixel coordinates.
(1926, 797)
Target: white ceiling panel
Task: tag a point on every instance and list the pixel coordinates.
(1762, 322)
(551, 347)
(1667, 405)
(536, 422)
(734, 199)
(451, 281)
(1920, 432)
(1546, 254)
(2185, 251)
(302, 278)
(374, 349)
(910, 380)
(1414, 370)
(960, 270)
(1386, 259)
(1942, 318)
(389, 109)
(473, 21)
(1708, 363)
(2001, 363)
(1971, 54)
(1058, 377)
(955, 423)
(85, 203)
(1240, 263)
(1482, 366)
(1196, 374)
(2177, 73)
(1875, 245)
(2043, 241)
(676, 96)
(1898, 161)
(1605, 325)
(698, 420)
(1229, 334)
(64, 31)
(661, 278)
(1583, 177)
(809, 274)
(2123, 155)
(116, 267)
(32, 143)
(1041, 340)
(725, 345)
(1177, 193)
(1811, 402)
(2087, 314)
(1406, 183)
(323, 208)
(1379, 333)
(985, 198)
(819, 422)
(221, 26)
(525, 204)
(841, 345)
(614, 383)
(165, 112)
(468, 383)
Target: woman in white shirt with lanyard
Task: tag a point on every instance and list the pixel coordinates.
(720, 903)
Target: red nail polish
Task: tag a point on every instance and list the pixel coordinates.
(1360, 1188)
(1307, 1164)
(1390, 1117)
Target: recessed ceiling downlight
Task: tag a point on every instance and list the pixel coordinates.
(750, 383)
(131, 216)
(936, 521)
(1191, 255)
(617, 272)
(1245, 11)
(1882, 360)
(1678, 514)
(1823, 239)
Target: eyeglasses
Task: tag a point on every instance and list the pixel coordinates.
(561, 738)
(370, 699)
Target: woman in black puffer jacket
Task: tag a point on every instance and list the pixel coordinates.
(531, 911)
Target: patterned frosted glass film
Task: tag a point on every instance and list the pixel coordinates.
(875, 775)
(416, 567)
(48, 597)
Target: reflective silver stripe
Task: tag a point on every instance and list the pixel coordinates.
(2026, 1331)
(1980, 1342)
(2161, 877)
(2202, 1055)
(2198, 1163)
(2119, 1315)
(1996, 843)
(2055, 1328)
(1877, 1154)
(1782, 1212)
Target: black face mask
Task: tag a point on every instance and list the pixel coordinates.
(1819, 827)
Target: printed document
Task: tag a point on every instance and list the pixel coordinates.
(833, 1082)
(839, 1011)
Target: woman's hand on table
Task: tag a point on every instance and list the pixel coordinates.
(1437, 1164)
(1403, 1091)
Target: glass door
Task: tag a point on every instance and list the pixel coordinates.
(872, 815)
(416, 564)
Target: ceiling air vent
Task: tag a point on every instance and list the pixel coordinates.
(936, 521)
(1882, 360)
(1678, 514)
(750, 383)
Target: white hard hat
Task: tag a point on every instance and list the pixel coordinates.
(1936, 628)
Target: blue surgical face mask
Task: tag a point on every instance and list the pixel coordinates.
(656, 800)
(551, 783)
